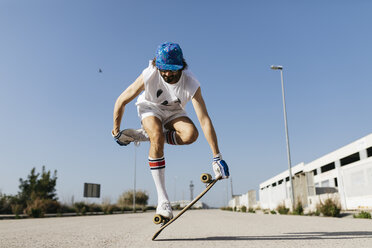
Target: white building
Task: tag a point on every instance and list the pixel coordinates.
(345, 174)
(248, 200)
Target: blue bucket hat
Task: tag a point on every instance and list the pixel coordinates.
(169, 57)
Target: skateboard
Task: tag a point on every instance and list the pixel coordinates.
(158, 219)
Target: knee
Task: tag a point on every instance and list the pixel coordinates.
(189, 136)
(156, 138)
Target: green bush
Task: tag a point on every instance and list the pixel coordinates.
(66, 209)
(150, 208)
(176, 207)
(81, 208)
(282, 209)
(108, 208)
(363, 215)
(299, 209)
(51, 206)
(126, 208)
(6, 203)
(17, 209)
(316, 213)
(118, 209)
(139, 208)
(330, 207)
(35, 213)
(93, 207)
(272, 212)
(126, 199)
(38, 207)
(35, 208)
(243, 209)
(226, 208)
(251, 210)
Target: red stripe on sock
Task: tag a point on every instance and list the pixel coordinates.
(157, 164)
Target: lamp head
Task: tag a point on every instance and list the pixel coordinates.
(276, 67)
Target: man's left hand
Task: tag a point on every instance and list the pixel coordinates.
(220, 168)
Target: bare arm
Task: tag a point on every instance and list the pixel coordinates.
(205, 121)
(127, 96)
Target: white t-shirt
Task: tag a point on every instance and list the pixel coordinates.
(164, 95)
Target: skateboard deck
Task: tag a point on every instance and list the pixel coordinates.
(209, 186)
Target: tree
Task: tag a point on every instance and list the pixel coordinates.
(38, 188)
(126, 199)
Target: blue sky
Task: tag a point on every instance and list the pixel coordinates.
(56, 109)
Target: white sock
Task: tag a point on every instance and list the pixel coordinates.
(157, 166)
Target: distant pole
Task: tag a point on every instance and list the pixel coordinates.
(227, 192)
(191, 191)
(232, 192)
(279, 67)
(136, 144)
(175, 188)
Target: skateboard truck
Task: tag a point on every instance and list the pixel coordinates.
(159, 219)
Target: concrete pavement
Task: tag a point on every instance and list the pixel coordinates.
(196, 228)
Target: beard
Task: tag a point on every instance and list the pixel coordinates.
(172, 79)
(169, 79)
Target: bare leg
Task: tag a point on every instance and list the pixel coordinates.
(154, 129)
(186, 132)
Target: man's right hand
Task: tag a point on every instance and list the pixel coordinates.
(121, 138)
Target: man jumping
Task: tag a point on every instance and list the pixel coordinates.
(167, 86)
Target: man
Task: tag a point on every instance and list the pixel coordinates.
(167, 86)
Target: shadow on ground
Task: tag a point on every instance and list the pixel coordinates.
(286, 236)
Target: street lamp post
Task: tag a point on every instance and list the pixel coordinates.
(136, 144)
(279, 67)
(175, 188)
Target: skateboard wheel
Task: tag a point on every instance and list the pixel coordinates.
(206, 178)
(158, 219)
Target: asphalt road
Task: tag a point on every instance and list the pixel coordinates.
(196, 228)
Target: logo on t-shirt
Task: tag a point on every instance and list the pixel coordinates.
(166, 103)
(158, 93)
